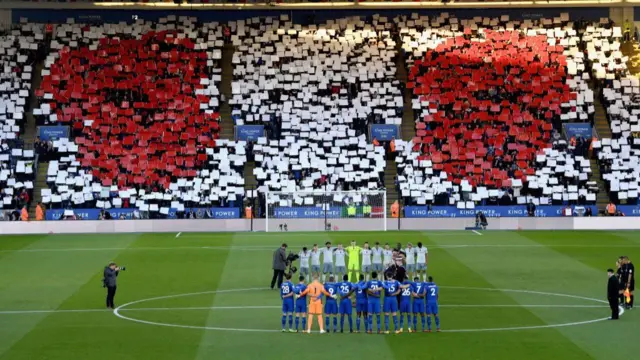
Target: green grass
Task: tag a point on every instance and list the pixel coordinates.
(58, 273)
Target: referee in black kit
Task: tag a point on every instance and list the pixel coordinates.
(613, 292)
(628, 281)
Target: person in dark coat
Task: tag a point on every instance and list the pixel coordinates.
(279, 265)
(110, 277)
(613, 291)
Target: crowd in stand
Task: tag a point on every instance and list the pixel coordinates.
(489, 96)
(19, 47)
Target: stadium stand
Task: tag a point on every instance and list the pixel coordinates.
(316, 89)
(490, 98)
(142, 102)
(618, 156)
(18, 50)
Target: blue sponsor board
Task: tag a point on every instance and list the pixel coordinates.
(578, 130)
(47, 133)
(249, 132)
(489, 211)
(629, 210)
(93, 214)
(306, 212)
(384, 132)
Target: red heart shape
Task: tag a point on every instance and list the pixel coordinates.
(501, 91)
(140, 93)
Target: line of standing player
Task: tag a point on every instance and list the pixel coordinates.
(373, 297)
(373, 259)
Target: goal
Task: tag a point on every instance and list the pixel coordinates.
(326, 211)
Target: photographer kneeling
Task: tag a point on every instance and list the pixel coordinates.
(109, 281)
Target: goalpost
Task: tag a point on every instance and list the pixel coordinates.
(326, 211)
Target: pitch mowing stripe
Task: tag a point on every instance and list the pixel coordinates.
(274, 246)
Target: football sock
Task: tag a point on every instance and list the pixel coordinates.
(342, 323)
(311, 322)
(298, 323)
(290, 321)
(358, 323)
(320, 322)
(402, 322)
(408, 321)
(429, 322)
(304, 322)
(631, 302)
(415, 322)
(350, 323)
(335, 323)
(378, 318)
(370, 322)
(438, 322)
(386, 322)
(327, 322)
(284, 321)
(422, 319)
(395, 322)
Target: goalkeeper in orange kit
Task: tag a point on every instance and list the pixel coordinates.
(315, 290)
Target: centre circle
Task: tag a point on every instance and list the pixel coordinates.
(118, 311)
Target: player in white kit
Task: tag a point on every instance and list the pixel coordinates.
(304, 263)
(366, 261)
(341, 266)
(327, 264)
(387, 253)
(410, 260)
(315, 260)
(421, 260)
(377, 258)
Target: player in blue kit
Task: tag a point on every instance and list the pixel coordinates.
(286, 293)
(432, 304)
(331, 305)
(391, 291)
(301, 304)
(419, 291)
(374, 288)
(405, 304)
(361, 303)
(345, 289)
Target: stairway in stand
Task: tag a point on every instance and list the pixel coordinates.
(407, 130)
(29, 137)
(390, 172)
(226, 122)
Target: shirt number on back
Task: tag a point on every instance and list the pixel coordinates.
(344, 289)
(285, 290)
(406, 292)
(433, 292)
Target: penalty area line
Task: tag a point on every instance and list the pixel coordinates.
(477, 232)
(177, 236)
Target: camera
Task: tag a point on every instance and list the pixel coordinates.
(290, 259)
(123, 268)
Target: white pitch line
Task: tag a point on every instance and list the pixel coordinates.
(62, 311)
(121, 308)
(180, 233)
(477, 232)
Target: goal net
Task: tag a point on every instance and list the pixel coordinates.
(326, 211)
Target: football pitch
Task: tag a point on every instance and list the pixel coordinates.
(503, 295)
